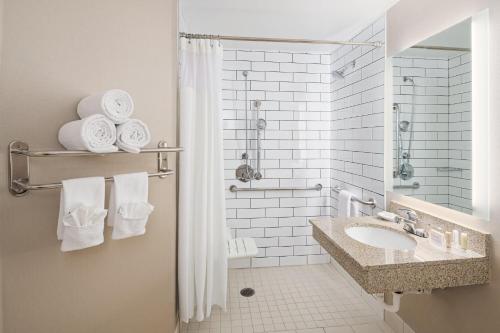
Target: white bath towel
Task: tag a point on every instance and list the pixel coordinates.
(129, 208)
(81, 213)
(115, 104)
(95, 133)
(346, 206)
(132, 135)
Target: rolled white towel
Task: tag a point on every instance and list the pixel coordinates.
(115, 104)
(95, 133)
(132, 135)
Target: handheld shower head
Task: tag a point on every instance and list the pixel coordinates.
(404, 125)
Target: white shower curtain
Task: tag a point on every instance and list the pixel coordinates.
(202, 227)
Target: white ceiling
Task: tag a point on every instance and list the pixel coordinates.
(311, 19)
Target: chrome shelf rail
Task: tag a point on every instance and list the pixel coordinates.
(370, 202)
(19, 164)
(73, 153)
(234, 188)
(414, 186)
(30, 187)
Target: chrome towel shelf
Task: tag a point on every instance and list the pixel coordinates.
(19, 166)
(370, 202)
(234, 188)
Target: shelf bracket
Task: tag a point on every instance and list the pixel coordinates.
(19, 168)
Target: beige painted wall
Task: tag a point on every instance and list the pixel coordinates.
(468, 309)
(54, 53)
(1, 298)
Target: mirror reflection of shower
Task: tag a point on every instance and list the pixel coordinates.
(246, 172)
(404, 169)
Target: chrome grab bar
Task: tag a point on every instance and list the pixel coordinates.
(234, 188)
(448, 169)
(370, 202)
(414, 186)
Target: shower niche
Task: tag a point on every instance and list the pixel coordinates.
(432, 119)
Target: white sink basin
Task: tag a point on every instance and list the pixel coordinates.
(381, 238)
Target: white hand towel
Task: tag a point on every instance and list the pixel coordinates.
(129, 208)
(132, 135)
(81, 213)
(346, 206)
(95, 133)
(115, 104)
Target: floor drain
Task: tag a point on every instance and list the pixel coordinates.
(247, 292)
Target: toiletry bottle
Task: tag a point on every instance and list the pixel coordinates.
(448, 239)
(464, 241)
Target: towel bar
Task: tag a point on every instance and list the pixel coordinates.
(19, 166)
(371, 202)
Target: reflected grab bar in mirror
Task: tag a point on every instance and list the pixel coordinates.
(370, 202)
(414, 186)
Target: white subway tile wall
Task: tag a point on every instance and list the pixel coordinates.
(357, 125)
(442, 127)
(295, 92)
(460, 133)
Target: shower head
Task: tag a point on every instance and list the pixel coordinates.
(340, 73)
(404, 125)
(257, 103)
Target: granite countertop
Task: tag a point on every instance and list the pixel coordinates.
(380, 270)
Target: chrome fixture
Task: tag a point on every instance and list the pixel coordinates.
(448, 169)
(261, 125)
(278, 40)
(371, 202)
(340, 73)
(20, 154)
(414, 186)
(403, 125)
(234, 188)
(410, 223)
(404, 169)
(245, 172)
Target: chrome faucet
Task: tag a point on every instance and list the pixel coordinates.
(410, 223)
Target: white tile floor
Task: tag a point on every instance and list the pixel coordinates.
(305, 299)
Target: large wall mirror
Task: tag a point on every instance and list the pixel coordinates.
(432, 116)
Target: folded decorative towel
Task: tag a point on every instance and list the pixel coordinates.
(115, 104)
(81, 213)
(132, 135)
(128, 205)
(346, 206)
(95, 133)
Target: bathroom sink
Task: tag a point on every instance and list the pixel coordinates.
(381, 237)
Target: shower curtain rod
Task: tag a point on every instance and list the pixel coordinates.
(441, 48)
(279, 40)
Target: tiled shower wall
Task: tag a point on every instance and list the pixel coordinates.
(295, 92)
(430, 131)
(442, 127)
(358, 119)
(460, 133)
